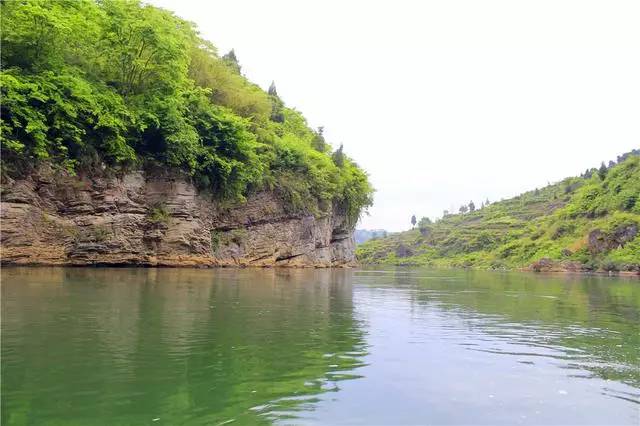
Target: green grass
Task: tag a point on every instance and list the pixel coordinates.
(550, 223)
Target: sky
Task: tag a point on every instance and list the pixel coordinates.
(443, 102)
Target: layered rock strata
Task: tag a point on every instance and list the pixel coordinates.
(160, 219)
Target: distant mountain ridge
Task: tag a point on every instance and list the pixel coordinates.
(586, 223)
(364, 235)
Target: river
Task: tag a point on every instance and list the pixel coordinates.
(135, 346)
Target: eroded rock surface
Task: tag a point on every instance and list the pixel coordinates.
(159, 219)
(600, 241)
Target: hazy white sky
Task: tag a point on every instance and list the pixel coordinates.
(445, 101)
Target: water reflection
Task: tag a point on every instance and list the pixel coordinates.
(393, 346)
(592, 321)
(129, 346)
(458, 347)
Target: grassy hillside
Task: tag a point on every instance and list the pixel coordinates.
(582, 223)
(114, 84)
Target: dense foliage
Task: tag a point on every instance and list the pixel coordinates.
(591, 222)
(118, 83)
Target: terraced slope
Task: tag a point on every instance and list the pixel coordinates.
(582, 223)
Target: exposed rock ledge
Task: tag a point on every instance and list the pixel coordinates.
(159, 220)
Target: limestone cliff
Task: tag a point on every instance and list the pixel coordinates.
(159, 219)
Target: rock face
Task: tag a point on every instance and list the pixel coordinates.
(160, 219)
(600, 241)
(549, 265)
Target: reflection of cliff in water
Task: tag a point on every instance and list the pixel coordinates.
(575, 318)
(179, 345)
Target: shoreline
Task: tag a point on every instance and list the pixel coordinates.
(98, 265)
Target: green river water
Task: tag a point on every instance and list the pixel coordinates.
(279, 346)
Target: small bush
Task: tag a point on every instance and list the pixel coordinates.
(158, 215)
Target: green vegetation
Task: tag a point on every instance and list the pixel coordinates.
(120, 84)
(583, 223)
(158, 215)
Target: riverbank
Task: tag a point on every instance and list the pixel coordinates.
(551, 270)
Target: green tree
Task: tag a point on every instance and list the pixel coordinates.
(318, 141)
(228, 88)
(272, 89)
(472, 206)
(148, 50)
(338, 156)
(424, 225)
(231, 60)
(602, 171)
(413, 221)
(277, 106)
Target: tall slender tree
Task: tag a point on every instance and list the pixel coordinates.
(230, 59)
(338, 157)
(602, 171)
(272, 89)
(318, 141)
(277, 106)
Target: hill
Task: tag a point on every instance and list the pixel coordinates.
(584, 223)
(113, 86)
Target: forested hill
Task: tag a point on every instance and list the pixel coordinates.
(117, 84)
(582, 223)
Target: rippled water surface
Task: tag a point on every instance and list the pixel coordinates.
(397, 346)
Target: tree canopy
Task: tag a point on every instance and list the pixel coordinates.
(122, 84)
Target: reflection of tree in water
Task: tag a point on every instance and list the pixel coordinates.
(289, 335)
(185, 346)
(593, 320)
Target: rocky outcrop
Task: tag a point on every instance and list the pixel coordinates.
(572, 266)
(549, 265)
(160, 219)
(600, 241)
(403, 251)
